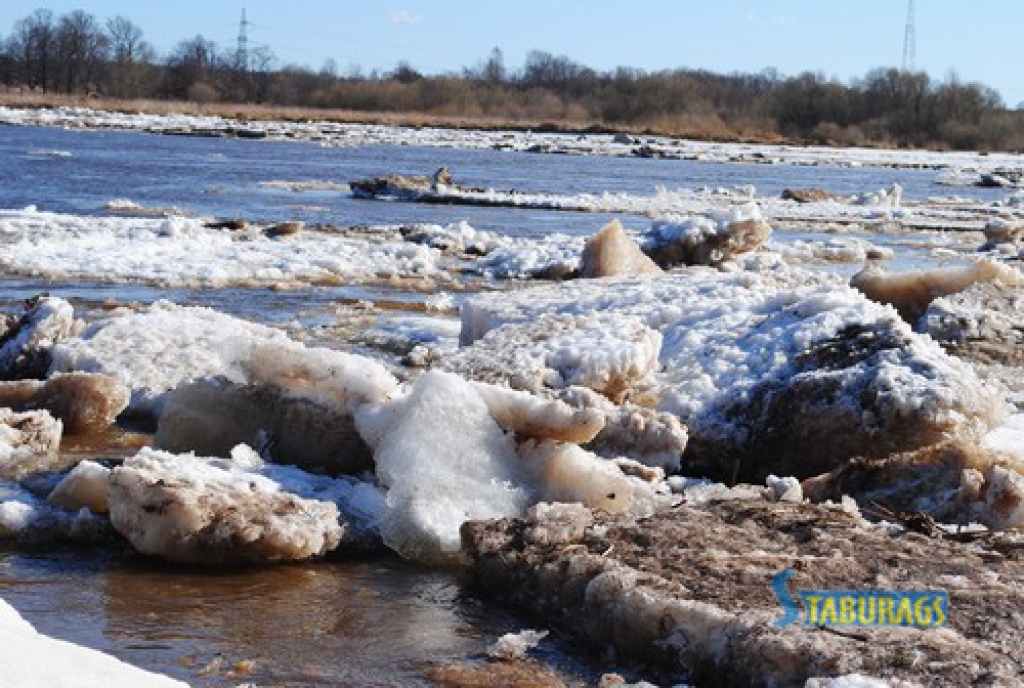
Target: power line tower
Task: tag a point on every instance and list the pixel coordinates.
(910, 40)
(242, 51)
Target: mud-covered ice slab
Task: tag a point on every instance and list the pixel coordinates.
(210, 511)
(32, 660)
(954, 484)
(81, 401)
(983, 323)
(26, 341)
(689, 590)
(761, 365)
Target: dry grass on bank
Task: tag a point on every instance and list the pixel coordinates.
(703, 128)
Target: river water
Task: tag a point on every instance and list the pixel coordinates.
(372, 622)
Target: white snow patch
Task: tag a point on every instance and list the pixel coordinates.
(155, 350)
(32, 660)
(515, 645)
(180, 251)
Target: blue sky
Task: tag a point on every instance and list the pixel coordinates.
(979, 39)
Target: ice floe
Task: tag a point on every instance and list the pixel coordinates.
(85, 486)
(208, 511)
(984, 323)
(707, 239)
(297, 402)
(160, 347)
(611, 252)
(611, 353)
(81, 401)
(184, 252)
(759, 366)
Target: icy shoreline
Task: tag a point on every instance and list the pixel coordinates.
(335, 134)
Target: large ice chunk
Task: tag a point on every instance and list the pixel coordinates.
(298, 406)
(82, 401)
(532, 417)
(706, 239)
(85, 486)
(26, 344)
(157, 349)
(612, 252)
(567, 473)
(983, 323)
(328, 377)
(208, 511)
(444, 461)
(610, 353)
(911, 292)
(761, 366)
(210, 417)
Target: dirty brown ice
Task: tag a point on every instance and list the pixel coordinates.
(686, 591)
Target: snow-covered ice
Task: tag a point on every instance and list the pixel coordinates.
(209, 511)
(29, 659)
(28, 442)
(26, 345)
(156, 349)
(182, 251)
(761, 365)
(708, 239)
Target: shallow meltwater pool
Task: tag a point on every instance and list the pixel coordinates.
(375, 622)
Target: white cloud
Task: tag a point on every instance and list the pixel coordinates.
(405, 17)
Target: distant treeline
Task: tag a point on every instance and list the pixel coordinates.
(78, 54)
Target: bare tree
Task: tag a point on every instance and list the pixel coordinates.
(131, 68)
(34, 43)
(82, 51)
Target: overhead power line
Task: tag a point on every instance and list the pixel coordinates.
(910, 40)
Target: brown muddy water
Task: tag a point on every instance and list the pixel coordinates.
(375, 622)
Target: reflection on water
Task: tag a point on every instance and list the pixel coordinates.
(368, 623)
